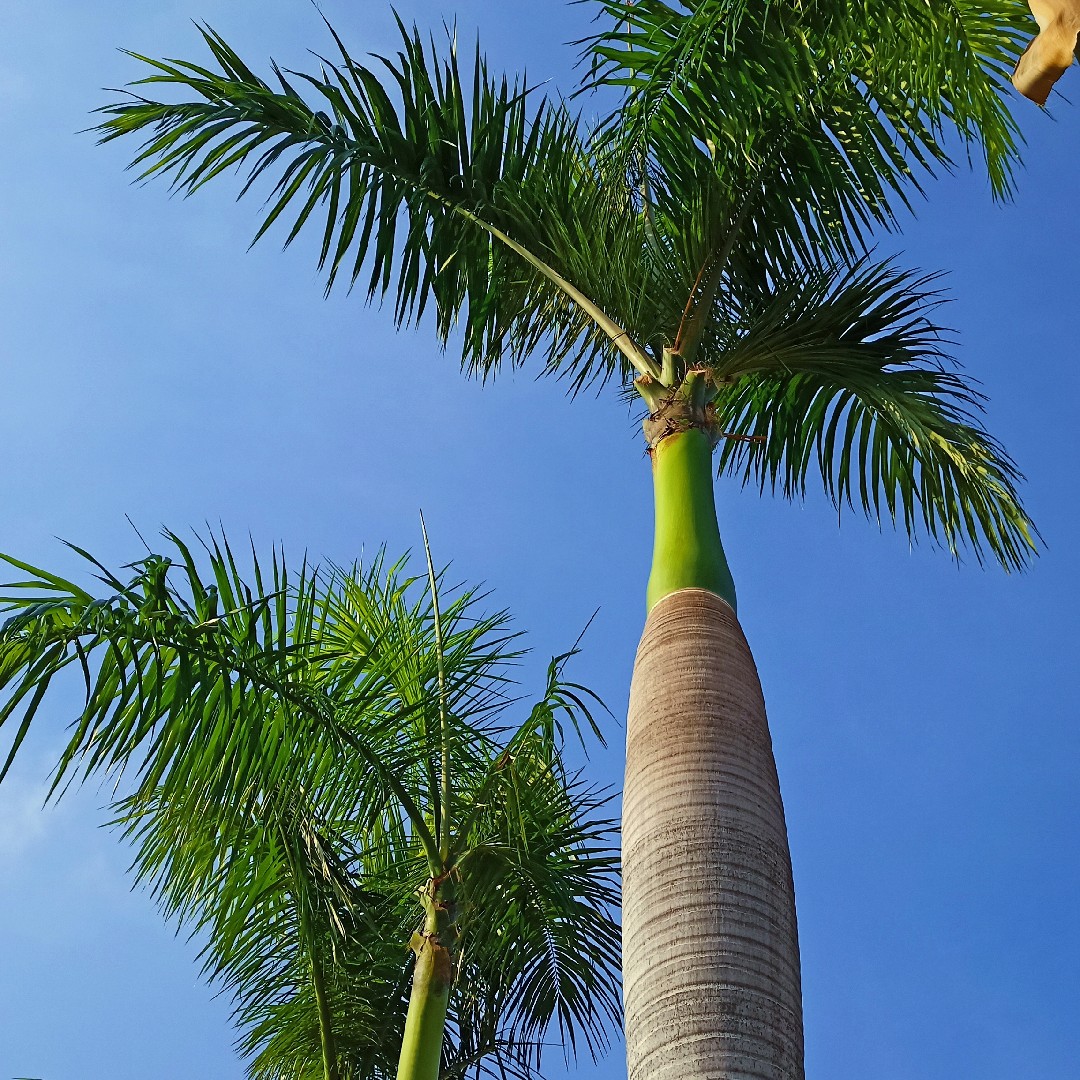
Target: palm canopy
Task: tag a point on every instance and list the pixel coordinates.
(750, 150)
(305, 751)
(817, 116)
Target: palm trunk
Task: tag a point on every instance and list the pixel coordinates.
(710, 952)
(687, 552)
(425, 1023)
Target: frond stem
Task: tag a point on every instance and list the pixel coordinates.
(327, 1044)
(638, 359)
(444, 727)
(695, 314)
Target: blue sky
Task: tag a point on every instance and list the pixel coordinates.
(924, 715)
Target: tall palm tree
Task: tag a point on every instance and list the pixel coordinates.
(704, 245)
(323, 779)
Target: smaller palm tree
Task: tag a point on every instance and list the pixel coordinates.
(323, 777)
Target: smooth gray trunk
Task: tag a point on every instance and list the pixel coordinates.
(710, 950)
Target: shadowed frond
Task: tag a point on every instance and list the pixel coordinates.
(843, 371)
(555, 954)
(303, 919)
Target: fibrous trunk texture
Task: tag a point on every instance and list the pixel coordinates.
(710, 946)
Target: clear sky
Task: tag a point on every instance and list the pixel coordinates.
(924, 715)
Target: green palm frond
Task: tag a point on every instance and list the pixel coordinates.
(289, 898)
(825, 113)
(174, 666)
(479, 200)
(844, 370)
(536, 847)
(555, 954)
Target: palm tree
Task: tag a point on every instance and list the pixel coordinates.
(324, 778)
(704, 245)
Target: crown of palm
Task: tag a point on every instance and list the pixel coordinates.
(716, 218)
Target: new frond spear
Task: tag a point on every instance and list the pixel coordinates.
(704, 246)
(322, 775)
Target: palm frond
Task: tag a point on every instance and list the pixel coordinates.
(821, 116)
(480, 201)
(174, 665)
(749, 140)
(291, 911)
(845, 370)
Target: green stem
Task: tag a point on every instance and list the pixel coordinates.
(687, 552)
(441, 796)
(421, 1045)
(326, 1028)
